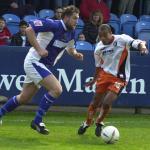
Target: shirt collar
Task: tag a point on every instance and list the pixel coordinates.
(64, 26)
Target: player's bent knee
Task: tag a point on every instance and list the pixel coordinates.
(56, 93)
(106, 106)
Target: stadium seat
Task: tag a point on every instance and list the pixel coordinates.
(79, 28)
(11, 18)
(113, 17)
(12, 22)
(145, 18)
(142, 26)
(46, 13)
(114, 22)
(128, 22)
(83, 45)
(28, 18)
(143, 31)
(13, 27)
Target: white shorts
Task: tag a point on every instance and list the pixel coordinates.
(35, 71)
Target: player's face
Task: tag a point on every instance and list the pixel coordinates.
(72, 21)
(105, 37)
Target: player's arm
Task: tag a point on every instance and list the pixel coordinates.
(30, 33)
(92, 81)
(39, 25)
(136, 43)
(73, 52)
(140, 45)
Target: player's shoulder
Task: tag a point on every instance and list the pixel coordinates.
(99, 46)
(121, 37)
(44, 21)
(53, 22)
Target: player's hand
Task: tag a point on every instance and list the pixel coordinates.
(143, 48)
(43, 52)
(90, 83)
(144, 51)
(78, 56)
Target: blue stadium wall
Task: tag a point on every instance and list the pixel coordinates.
(73, 74)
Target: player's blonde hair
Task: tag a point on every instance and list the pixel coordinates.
(105, 28)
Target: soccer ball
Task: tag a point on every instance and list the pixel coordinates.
(110, 134)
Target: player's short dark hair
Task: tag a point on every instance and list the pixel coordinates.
(69, 10)
(23, 23)
(105, 28)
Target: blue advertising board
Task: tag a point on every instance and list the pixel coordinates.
(73, 74)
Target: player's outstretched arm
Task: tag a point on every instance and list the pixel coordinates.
(75, 54)
(33, 41)
(136, 43)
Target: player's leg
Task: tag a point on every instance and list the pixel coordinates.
(98, 98)
(104, 110)
(41, 75)
(106, 105)
(91, 112)
(26, 94)
(113, 86)
(54, 90)
(99, 125)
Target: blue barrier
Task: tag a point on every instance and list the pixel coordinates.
(73, 74)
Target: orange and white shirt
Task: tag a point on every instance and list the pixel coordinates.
(115, 57)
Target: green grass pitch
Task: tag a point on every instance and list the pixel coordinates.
(16, 134)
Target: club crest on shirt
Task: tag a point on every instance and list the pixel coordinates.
(38, 23)
(115, 43)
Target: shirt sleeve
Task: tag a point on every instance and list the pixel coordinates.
(44, 25)
(127, 39)
(130, 41)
